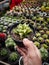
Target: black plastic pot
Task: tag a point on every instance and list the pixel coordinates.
(18, 42)
(4, 58)
(11, 48)
(14, 62)
(2, 44)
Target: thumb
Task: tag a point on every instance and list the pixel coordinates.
(27, 43)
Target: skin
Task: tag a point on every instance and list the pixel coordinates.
(30, 54)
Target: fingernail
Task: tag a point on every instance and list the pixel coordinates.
(25, 39)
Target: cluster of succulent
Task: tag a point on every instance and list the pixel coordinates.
(9, 42)
(6, 21)
(3, 52)
(22, 30)
(13, 57)
(39, 24)
(44, 53)
(45, 6)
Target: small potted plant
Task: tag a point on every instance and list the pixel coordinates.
(13, 58)
(45, 36)
(40, 20)
(39, 27)
(10, 44)
(20, 31)
(47, 32)
(42, 32)
(40, 39)
(34, 38)
(37, 44)
(38, 34)
(45, 28)
(3, 54)
(45, 46)
(47, 41)
(44, 54)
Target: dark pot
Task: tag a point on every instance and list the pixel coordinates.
(4, 58)
(14, 62)
(11, 48)
(17, 41)
(2, 44)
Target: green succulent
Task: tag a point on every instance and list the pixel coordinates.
(43, 8)
(38, 34)
(34, 18)
(47, 41)
(3, 52)
(45, 28)
(34, 38)
(45, 36)
(13, 56)
(47, 8)
(22, 30)
(45, 46)
(44, 53)
(47, 32)
(44, 3)
(39, 27)
(10, 42)
(40, 39)
(43, 24)
(40, 19)
(47, 19)
(41, 31)
(37, 44)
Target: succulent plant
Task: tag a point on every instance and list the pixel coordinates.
(45, 46)
(45, 36)
(47, 19)
(3, 52)
(37, 44)
(43, 8)
(40, 39)
(47, 32)
(39, 27)
(10, 42)
(34, 38)
(34, 18)
(47, 42)
(45, 28)
(13, 56)
(38, 34)
(44, 4)
(42, 31)
(22, 30)
(40, 19)
(44, 53)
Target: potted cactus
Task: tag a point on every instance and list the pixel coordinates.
(21, 31)
(13, 58)
(3, 54)
(10, 44)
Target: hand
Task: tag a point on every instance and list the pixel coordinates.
(31, 54)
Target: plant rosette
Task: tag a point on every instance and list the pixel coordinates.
(19, 31)
(10, 44)
(4, 53)
(44, 54)
(41, 40)
(13, 58)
